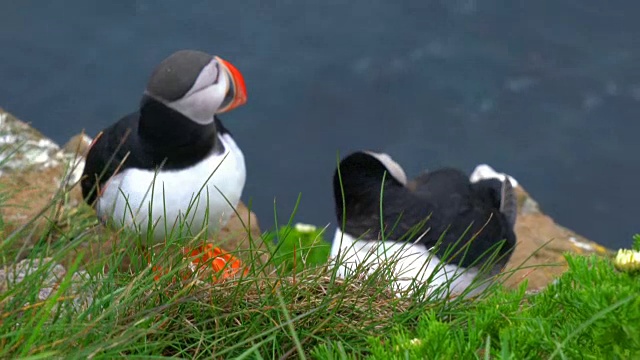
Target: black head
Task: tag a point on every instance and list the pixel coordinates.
(197, 85)
(366, 166)
(177, 74)
(360, 176)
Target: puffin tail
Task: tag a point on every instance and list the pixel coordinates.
(501, 194)
(508, 202)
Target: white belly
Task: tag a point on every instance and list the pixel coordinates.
(410, 264)
(201, 197)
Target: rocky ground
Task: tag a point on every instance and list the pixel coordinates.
(34, 170)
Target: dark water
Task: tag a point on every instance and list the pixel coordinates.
(546, 90)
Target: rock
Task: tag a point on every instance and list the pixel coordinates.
(49, 283)
(33, 171)
(23, 147)
(541, 245)
(15, 274)
(242, 233)
(78, 144)
(541, 242)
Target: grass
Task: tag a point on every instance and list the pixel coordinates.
(292, 306)
(591, 312)
(297, 248)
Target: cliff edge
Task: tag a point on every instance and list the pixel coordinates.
(34, 170)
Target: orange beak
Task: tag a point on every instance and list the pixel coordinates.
(237, 93)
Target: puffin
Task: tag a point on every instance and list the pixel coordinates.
(440, 228)
(171, 162)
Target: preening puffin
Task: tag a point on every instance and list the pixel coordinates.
(171, 160)
(415, 215)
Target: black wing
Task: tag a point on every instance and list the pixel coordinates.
(440, 206)
(108, 153)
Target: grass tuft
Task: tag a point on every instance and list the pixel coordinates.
(105, 303)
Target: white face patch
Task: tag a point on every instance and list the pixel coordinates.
(204, 98)
(393, 168)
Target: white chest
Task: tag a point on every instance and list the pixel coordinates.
(410, 263)
(201, 197)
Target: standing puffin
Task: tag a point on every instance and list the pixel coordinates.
(440, 228)
(172, 160)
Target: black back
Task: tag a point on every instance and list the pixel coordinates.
(444, 201)
(154, 136)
